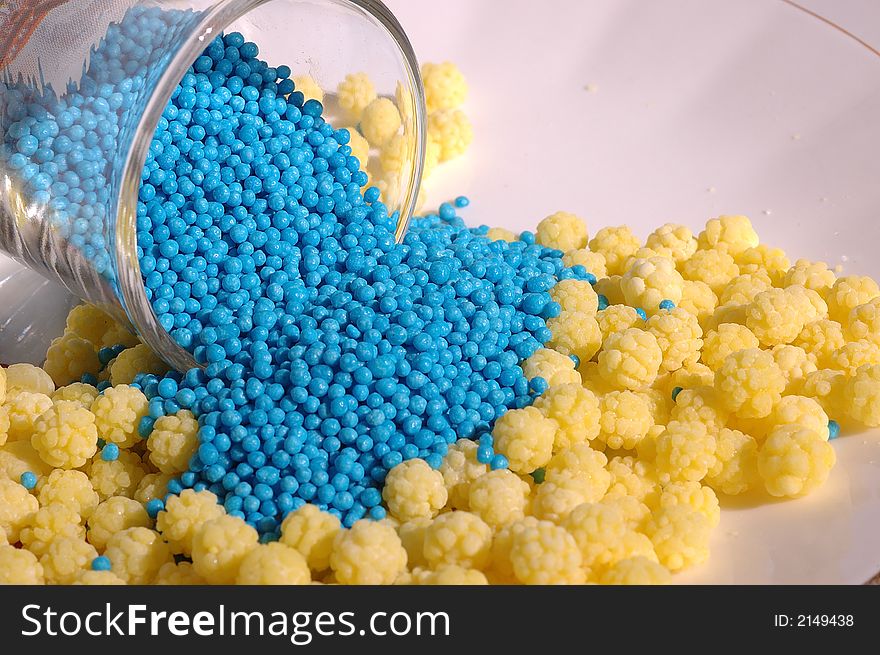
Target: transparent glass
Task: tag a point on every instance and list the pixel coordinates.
(84, 86)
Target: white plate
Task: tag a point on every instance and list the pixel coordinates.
(696, 107)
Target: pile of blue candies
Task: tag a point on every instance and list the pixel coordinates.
(331, 353)
(61, 147)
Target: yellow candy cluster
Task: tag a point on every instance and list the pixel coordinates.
(381, 127)
(617, 473)
(84, 505)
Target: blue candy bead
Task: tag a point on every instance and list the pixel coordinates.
(833, 429)
(101, 563)
(155, 506)
(110, 452)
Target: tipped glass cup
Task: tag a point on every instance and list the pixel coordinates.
(82, 94)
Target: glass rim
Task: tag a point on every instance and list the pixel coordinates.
(124, 236)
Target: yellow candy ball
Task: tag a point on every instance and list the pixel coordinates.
(414, 490)
(273, 564)
(525, 436)
(563, 231)
(183, 516)
(794, 461)
(370, 552)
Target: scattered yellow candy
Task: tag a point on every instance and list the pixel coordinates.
(119, 477)
(173, 441)
(65, 435)
(736, 463)
(17, 507)
(849, 292)
(545, 553)
(617, 245)
(803, 412)
(451, 130)
(774, 316)
(750, 383)
(180, 573)
(273, 564)
(414, 490)
(132, 361)
(647, 282)
(604, 537)
(594, 262)
(65, 558)
(23, 408)
(575, 411)
(563, 231)
(77, 392)
(698, 298)
(311, 532)
(310, 89)
(459, 537)
(49, 523)
(499, 498)
(354, 94)
(19, 567)
(114, 515)
(219, 547)
(685, 451)
(453, 575)
(820, 339)
(380, 121)
(714, 267)
(680, 535)
(794, 461)
(694, 495)
(744, 287)
(459, 469)
(679, 336)
(445, 86)
(863, 395)
(575, 333)
(183, 516)
(98, 578)
(27, 377)
(730, 234)
(700, 404)
(500, 233)
(765, 260)
(853, 355)
(136, 554)
(626, 419)
(637, 570)
(673, 240)
(118, 411)
(69, 357)
(575, 296)
(630, 359)
(811, 275)
(551, 365)
(525, 437)
(370, 552)
(555, 499)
